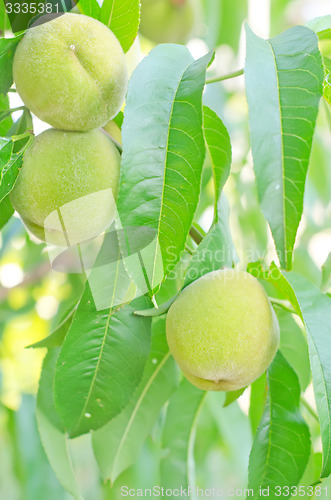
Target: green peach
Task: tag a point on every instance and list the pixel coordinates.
(71, 72)
(223, 331)
(67, 187)
(169, 21)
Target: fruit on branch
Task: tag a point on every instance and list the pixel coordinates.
(165, 21)
(71, 72)
(67, 187)
(223, 331)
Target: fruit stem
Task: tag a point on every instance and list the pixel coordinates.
(196, 235)
(12, 90)
(225, 77)
(308, 407)
(284, 304)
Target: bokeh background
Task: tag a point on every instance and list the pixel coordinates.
(33, 297)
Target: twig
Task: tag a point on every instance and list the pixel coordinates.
(225, 77)
(196, 235)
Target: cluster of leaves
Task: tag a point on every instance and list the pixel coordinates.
(109, 371)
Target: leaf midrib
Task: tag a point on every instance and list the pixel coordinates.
(109, 318)
(165, 171)
(282, 151)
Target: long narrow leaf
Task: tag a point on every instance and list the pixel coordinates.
(314, 308)
(219, 146)
(100, 364)
(216, 249)
(177, 468)
(90, 8)
(7, 51)
(316, 314)
(284, 84)
(281, 447)
(163, 152)
(51, 431)
(117, 445)
(122, 17)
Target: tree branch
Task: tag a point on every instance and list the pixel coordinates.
(196, 235)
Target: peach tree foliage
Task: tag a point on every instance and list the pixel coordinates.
(108, 371)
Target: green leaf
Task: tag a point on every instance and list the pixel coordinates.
(10, 165)
(326, 274)
(315, 310)
(32, 476)
(6, 179)
(219, 147)
(157, 311)
(90, 8)
(9, 175)
(56, 338)
(7, 123)
(276, 278)
(232, 396)
(163, 152)
(109, 281)
(7, 51)
(216, 249)
(284, 79)
(6, 211)
(257, 401)
(100, 364)
(313, 471)
(321, 25)
(177, 466)
(281, 447)
(117, 445)
(225, 22)
(119, 119)
(6, 149)
(4, 21)
(122, 17)
(53, 437)
(22, 125)
(294, 347)
(327, 79)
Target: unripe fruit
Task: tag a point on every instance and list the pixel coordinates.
(67, 187)
(223, 331)
(165, 21)
(71, 72)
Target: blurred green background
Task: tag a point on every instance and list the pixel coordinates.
(34, 298)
